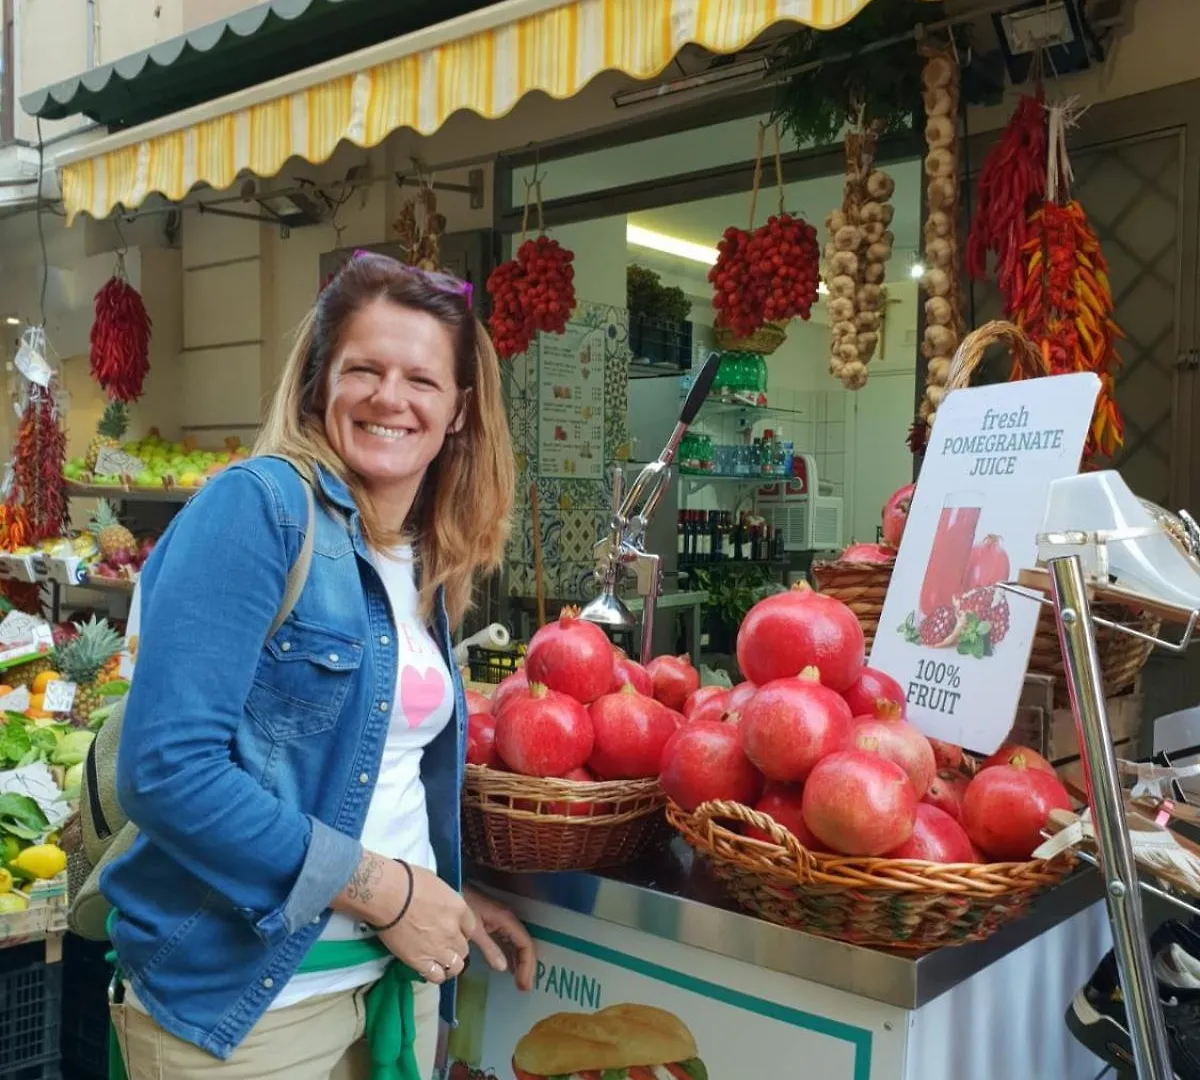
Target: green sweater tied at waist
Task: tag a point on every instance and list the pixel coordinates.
(391, 1028)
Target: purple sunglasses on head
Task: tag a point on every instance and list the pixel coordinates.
(443, 283)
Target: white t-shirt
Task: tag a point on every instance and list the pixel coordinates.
(397, 822)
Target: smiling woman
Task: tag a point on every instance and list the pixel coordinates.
(298, 817)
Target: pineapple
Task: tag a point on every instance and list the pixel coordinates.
(82, 661)
(26, 674)
(111, 536)
(109, 432)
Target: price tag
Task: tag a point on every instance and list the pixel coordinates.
(59, 696)
(110, 462)
(18, 627)
(17, 701)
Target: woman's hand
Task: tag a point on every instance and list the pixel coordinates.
(432, 937)
(493, 918)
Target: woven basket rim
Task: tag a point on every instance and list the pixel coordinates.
(519, 798)
(799, 865)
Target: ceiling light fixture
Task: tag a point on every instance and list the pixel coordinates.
(670, 245)
(916, 271)
(12, 320)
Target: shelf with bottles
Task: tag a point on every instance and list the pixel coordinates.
(766, 458)
(720, 408)
(707, 538)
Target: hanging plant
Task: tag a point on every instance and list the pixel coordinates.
(120, 337)
(816, 105)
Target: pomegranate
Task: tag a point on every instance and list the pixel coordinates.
(739, 695)
(674, 680)
(871, 688)
(783, 803)
(791, 724)
(1020, 756)
(936, 837)
(511, 685)
(1005, 809)
(630, 733)
(987, 565)
(628, 672)
(481, 741)
(947, 755)
(564, 807)
(867, 553)
(477, 703)
(544, 733)
(574, 808)
(788, 632)
(895, 515)
(859, 804)
(708, 707)
(705, 761)
(572, 657)
(898, 741)
(698, 697)
(946, 792)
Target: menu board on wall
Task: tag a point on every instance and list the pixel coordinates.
(571, 403)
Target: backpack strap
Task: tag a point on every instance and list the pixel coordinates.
(297, 576)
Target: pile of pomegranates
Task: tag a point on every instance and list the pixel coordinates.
(818, 741)
(894, 518)
(581, 710)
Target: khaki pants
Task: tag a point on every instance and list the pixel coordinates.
(321, 1039)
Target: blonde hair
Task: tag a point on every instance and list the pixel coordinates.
(460, 519)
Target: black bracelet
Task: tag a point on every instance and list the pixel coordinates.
(408, 901)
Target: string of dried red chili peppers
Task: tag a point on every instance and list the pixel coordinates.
(1011, 183)
(120, 337)
(38, 459)
(1066, 306)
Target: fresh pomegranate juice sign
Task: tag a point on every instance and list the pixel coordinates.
(958, 644)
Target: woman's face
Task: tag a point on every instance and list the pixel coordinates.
(392, 400)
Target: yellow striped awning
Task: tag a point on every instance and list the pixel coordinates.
(486, 62)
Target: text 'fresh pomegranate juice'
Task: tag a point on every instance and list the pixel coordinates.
(951, 551)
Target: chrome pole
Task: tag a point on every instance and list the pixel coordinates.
(1077, 638)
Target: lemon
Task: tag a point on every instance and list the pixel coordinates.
(11, 903)
(42, 860)
(6, 881)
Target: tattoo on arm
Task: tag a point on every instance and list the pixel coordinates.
(364, 882)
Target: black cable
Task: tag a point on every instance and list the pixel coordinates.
(40, 230)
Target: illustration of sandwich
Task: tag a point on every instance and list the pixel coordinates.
(622, 1042)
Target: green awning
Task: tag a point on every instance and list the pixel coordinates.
(245, 49)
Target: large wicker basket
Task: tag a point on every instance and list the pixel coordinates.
(863, 586)
(523, 824)
(885, 903)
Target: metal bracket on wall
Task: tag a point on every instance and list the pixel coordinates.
(263, 219)
(473, 187)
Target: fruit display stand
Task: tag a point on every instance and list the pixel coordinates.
(755, 995)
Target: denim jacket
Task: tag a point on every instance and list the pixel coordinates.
(248, 767)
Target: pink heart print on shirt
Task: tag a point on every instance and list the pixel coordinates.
(420, 695)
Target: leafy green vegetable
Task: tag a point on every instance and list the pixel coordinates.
(21, 817)
(695, 1068)
(72, 748)
(43, 741)
(115, 688)
(14, 743)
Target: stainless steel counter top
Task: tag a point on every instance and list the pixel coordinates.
(676, 897)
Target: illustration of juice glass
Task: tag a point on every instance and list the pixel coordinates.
(466, 1041)
(950, 551)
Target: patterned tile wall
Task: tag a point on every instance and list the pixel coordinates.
(572, 512)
